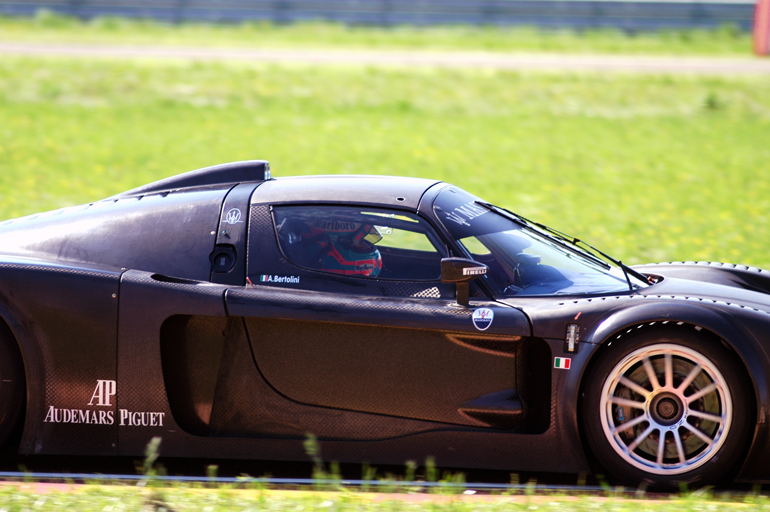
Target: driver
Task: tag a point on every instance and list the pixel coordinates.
(342, 247)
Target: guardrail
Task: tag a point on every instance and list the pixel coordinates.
(627, 15)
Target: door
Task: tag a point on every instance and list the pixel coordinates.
(356, 318)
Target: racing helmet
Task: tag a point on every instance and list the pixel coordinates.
(343, 247)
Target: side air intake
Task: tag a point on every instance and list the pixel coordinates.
(224, 174)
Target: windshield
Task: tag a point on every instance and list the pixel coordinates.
(522, 260)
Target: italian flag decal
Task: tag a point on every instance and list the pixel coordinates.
(562, 362)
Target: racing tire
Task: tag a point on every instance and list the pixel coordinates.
(667, 408)
(12, 385)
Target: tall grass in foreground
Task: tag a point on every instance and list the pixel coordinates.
(46, 26)
(118, 498)
(648, 168)
(152, 494)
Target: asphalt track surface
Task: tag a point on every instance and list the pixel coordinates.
(296, 483)
(399, 58)
(388, 488)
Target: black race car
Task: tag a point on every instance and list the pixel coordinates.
(395, 318)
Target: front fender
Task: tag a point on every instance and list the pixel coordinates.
(726, 274)
(735, 325)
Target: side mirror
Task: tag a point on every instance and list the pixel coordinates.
(461, 271)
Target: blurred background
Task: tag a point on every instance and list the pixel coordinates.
(626, 15)
(641, 127)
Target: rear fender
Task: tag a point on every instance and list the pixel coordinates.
(64, 320)
(15, 321)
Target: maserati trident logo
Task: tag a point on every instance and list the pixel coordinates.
(233, 216)
(482, 318)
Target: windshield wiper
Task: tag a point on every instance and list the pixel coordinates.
(550, 233)
(559, 236)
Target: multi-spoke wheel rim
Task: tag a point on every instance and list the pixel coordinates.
(666, 409)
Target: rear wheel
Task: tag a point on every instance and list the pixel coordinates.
(667, 407)
(12, 384)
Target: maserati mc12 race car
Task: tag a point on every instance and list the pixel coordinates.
(231, 314)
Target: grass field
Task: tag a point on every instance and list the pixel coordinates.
(651, 168)
(47, 27)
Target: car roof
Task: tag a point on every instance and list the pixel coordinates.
(386, 191)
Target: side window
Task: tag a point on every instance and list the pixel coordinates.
(359, 242)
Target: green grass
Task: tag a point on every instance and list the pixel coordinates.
(651, 168)
(185, 499)
(47, 27)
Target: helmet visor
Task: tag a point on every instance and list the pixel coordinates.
(373, 236)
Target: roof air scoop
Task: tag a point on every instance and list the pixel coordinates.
(224, 174)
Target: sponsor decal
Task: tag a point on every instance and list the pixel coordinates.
(264, 278)
(141, 419)
(233, 217)
(336, 225)
(469, 211)
(474, 271)
(105, 390)
(55, 415)
(102, 397)
(482, 318)
(563, 363)
(364, 267)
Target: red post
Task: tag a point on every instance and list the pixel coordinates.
(762, 28)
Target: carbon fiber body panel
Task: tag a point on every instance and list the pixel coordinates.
(171, 234)
(62, 352)
(140, 377)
